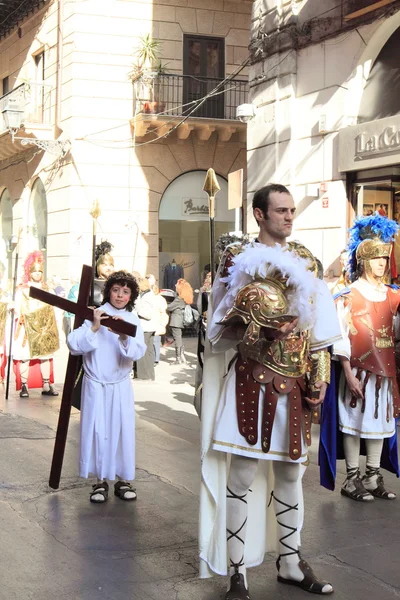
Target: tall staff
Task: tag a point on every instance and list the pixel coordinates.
(211, 187)
(14, 290)
(94, 213)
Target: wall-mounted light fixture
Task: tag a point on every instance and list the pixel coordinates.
(12, 243)
(13, 114)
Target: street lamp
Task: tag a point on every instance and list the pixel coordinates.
(13, 117)
(12, 114)
(12, 243)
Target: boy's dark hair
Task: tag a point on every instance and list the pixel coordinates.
(261, 197)
(122, 278)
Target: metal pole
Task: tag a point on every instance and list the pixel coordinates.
(212, 238)
(211, 187)
(12, 320)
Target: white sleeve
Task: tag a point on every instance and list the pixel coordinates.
(218, 305)
(343, 346)
(326, 330)
(134, 347)
(83, 340)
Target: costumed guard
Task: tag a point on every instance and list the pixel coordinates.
(367, 390)
(36, 333)
(278, 319)
(104, 268)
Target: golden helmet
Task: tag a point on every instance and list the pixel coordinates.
(262, 302)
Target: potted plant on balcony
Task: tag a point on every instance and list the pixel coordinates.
(147, 73)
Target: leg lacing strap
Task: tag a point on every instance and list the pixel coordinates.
(235, 534)
(292, 530)
(371, 471)
(353, 472)
(234, 496)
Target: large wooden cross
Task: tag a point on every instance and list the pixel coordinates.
(82, 312)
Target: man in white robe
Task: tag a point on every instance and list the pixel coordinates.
(234, 530)
(107, 441)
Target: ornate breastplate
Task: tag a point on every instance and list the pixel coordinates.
(371, 333)
(287, 357)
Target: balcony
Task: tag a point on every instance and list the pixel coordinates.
(34, 99)
(189, 104)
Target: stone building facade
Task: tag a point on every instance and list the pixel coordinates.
(89, 134)
(324, 81)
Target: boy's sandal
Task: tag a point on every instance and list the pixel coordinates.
(99, 489)
(125, 491)
(310, 583)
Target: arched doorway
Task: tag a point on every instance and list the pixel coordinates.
(375, 147)
(184, 225)
(6, 229)
(37, 219)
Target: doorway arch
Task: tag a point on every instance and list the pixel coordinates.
(6, 230)
(184, 225)
(37, 219)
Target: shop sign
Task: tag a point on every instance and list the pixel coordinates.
(194, 206)
(370, 145)
(367, 146)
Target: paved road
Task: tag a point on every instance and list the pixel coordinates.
(58, 545)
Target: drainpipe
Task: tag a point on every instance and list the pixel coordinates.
(60, 61)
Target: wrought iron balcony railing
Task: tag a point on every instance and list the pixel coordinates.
(181, 95)
(33, 98)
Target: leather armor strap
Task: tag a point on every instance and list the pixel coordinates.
(396, 398)
(377, 390)
(270, 402)
(250, 375)
(353, 400)
(295, 422)
(247, 399)
(366, 379)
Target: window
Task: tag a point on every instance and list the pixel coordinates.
(37, 92)
(6, 85)
(203, 70)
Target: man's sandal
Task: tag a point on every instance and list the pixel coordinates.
(381, 492)
(310, 583)
(359, 493)
(125, 491)
(99, 493)
(237, 589)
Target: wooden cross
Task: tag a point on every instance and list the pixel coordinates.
(81, 312)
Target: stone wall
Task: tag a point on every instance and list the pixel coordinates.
(304, 94)
(96, 105)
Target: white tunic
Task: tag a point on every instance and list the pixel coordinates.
(107, 444)
(352, 420)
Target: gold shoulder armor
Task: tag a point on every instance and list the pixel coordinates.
(305, 253)
(228, 256)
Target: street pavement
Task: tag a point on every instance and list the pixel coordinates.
(55, 544)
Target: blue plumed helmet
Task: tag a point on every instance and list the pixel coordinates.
(378, 230)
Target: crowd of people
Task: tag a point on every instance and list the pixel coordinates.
(277, 352)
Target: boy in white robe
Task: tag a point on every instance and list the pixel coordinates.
(107, 440)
